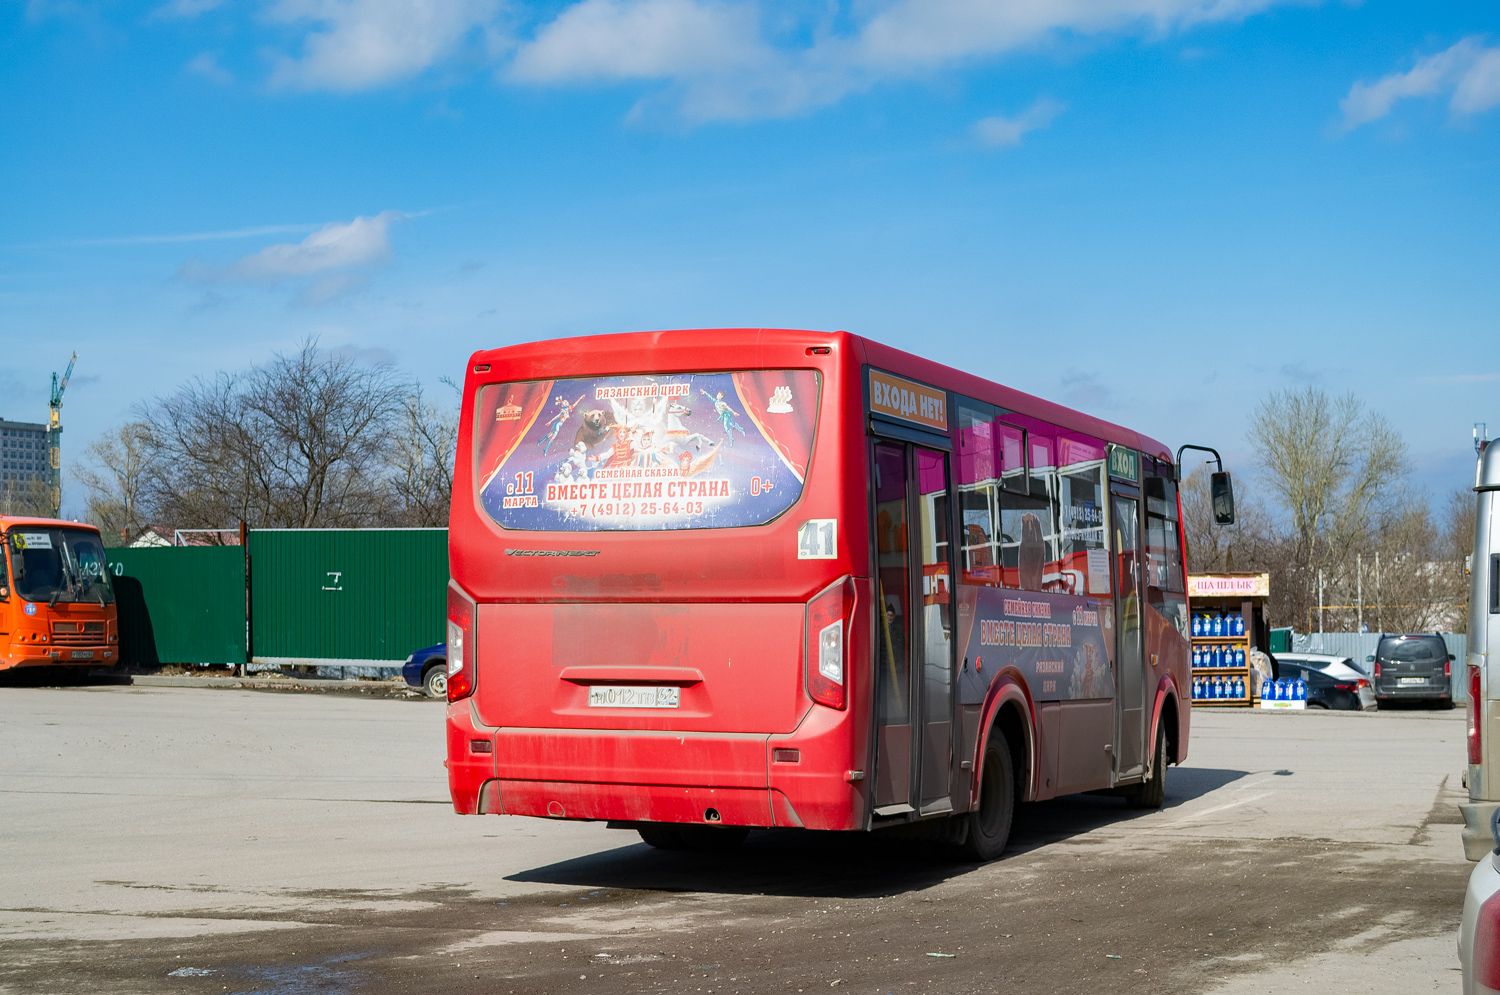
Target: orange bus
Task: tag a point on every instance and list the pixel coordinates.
(57, 605)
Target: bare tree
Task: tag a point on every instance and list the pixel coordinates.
(1337, 472)
(117, 470)
(1328, 461)
(301, 442)
(421, 458)
(1213, 547)
(25, 497)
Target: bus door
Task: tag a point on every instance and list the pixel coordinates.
(1130, 681)
(914, 630)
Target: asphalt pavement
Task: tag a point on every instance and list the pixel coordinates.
(169, 839)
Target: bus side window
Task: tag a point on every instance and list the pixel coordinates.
(979, 469)
(1165, 590)
(1028, 521)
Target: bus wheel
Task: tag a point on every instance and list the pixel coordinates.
(702, 839)
(435, 681)
(1153, 790)
(989, 827)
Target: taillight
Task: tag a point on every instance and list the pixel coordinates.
(827, 635)
(1377, 668)
(1447, 668)
(1486, 960)
(1472, 713)
(460, 644)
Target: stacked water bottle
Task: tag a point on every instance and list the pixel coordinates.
(1284, 689)
(1218, 656)
(1229, 686)
(1218, 626)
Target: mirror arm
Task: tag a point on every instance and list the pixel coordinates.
(1202, 449)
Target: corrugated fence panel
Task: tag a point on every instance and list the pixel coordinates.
(1362, 644)
(180, 604)
(359, 595)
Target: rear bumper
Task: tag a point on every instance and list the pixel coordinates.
(731, 779)
(1426, 692)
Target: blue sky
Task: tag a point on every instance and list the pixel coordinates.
(1155, 210)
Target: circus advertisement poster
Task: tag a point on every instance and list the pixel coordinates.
(650, 451)
(1061, 644)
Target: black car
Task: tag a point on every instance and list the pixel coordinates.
(1413, 668)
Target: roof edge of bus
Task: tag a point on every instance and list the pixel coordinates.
(9, 521)
(874, 351)
(1019, 400)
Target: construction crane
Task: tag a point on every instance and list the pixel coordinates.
(54, 437)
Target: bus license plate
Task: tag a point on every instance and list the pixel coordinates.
(83, 654)
(1413, 680)
(601, 696)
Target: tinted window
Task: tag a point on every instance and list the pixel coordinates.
(1421, 649)
(1165, 584)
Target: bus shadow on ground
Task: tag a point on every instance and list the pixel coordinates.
(58, 677)
(791, 862)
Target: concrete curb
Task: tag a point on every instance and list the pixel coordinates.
(288, 684)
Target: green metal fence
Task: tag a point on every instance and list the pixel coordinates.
(180, 605)
(349, 597)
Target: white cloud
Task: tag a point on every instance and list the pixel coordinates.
(719, 64)
(333, 260)
(204, 64)
(358, 44)
(1467, 70)
(710, 59)
(998, 132)
(641, 39)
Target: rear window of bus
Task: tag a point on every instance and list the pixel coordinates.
(646, 451)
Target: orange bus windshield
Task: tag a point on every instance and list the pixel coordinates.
(52, 564)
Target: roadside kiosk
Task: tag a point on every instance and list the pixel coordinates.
(1228, 621)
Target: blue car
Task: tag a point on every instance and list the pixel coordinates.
(428, 669)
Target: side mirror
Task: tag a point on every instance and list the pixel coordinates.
(1450, 657)
(1369, 659)
(1222, 490)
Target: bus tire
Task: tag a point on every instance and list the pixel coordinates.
(435, 681)
(1151, 792)
(989, 826)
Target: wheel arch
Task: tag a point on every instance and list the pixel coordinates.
(1009, 711)
(1166, 715)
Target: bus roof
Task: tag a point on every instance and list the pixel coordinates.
(11, 521)
(583, 356)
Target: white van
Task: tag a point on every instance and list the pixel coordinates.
(1484, 644)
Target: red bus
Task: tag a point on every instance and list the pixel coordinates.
(708, 580)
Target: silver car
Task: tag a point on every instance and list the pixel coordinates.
(1479, 932)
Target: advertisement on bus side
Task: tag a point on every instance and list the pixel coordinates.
(646, 452)
(1060, 643)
